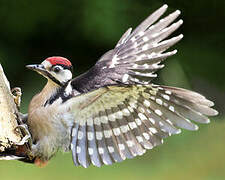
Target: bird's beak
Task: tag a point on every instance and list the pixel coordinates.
(37, 67)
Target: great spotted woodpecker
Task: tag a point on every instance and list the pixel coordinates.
(113, 111)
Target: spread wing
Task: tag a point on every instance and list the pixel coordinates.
(137, 55)
(114, 123)
(116, 113)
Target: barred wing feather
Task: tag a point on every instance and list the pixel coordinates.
(137, 55)
(114, 123)
(117, 113)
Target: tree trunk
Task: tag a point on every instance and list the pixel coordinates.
(9, 137)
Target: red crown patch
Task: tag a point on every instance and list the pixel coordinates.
(59, 60)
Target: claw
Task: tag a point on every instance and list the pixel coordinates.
(17, 93)
(24, 140)
(27, 136)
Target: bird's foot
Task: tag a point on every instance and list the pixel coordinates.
(27, 136)
(17, 93)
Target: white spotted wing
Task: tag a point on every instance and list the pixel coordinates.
(117, 113)
(137, 55)
(114, 123)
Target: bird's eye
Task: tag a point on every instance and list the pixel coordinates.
(56, 69)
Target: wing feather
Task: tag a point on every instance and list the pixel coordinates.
(82, 150)
(123, 147)
(124, 37)
(111, 142)
(134, 128)
(124, 121)
(118, 113)
(74, 138)
(102, 148)
(149, 21)
(145, 46)
(127, 129)
(116, 134)
(92, 145)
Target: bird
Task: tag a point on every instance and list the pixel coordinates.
(113, 111)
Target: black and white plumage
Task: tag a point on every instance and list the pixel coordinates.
(137, 55)
(122, 122)
(113, 111)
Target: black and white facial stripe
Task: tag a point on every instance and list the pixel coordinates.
(58, 73)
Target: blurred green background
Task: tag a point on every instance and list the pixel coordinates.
(82, 30)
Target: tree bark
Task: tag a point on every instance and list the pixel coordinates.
(9, 137)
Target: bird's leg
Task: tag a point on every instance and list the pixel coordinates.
(22, 118)
(23, 148)
(17, 93)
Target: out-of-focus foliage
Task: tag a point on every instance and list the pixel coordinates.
(82, 30)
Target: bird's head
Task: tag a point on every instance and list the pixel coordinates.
(56, 69)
